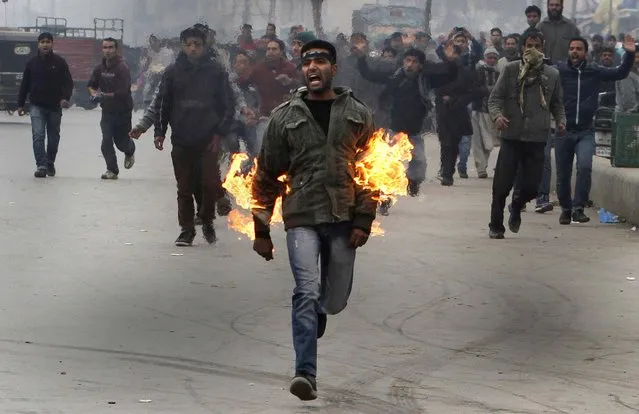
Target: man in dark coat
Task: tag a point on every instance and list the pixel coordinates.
(453, 117)
(194, 102)
(48, 84)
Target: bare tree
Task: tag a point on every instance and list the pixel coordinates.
(317, 16)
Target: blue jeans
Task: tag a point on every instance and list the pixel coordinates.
(417, 166)
(544, 185)
(318, 289)
(45, 122)
(464, 153)
(581, 144)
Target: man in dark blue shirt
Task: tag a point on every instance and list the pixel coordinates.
(581, 82)
(48, 84)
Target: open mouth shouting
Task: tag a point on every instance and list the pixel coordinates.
(314, 80)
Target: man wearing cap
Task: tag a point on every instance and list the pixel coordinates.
(315, 139)
(484, 133)
(47, 82)
(298, 42)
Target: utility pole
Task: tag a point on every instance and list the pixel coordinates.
(317, 16)
(271, 11)
(246, 13)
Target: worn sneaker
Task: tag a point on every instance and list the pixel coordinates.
(224, 206)
(51, 170)
(185, 238)
(129, 160)
(514, 221)
(109, 175)
(41, 172)
(565, 218)
(321, 324)
(482, 175)
(463, 174)
(209, 233)
(495, 234)
(304, 387)
(544, 207)
(578, 216)
(447, 182)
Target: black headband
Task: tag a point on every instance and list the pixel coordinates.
(317, 54)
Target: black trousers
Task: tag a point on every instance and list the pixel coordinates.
(449, 151)
(115, 130)
(514, 155)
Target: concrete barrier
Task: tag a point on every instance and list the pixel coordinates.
(615, 189)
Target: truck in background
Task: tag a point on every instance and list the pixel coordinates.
(81, 47)
(379, 22)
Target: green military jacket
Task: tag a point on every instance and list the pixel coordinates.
(320, 168)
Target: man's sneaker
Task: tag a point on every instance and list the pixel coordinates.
(565, 218)
(384, 207)
(514, 221)
(543, 207)
(109, 175)
(185, 238)
(304, 387)
(482, 175)
(463, 174)
(496, 235)
(224, 206)
(447, 182)
(41, 172)
(321, 324)
(51, 170)
(578, 216)
(129, 160)
(209, 233)
(413, 188)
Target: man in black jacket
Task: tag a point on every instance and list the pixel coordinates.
(47, 81)
(110, 84)
(408, 90)
(193, 100)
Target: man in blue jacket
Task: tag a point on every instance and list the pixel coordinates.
(581, 81)
(48, 84)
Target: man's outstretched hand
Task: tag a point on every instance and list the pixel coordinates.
(264, 247)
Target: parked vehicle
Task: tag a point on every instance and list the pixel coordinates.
(16, 48)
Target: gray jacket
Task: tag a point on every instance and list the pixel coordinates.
(534, 124)
(627, 93)
(557, 35)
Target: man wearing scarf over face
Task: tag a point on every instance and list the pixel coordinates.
(527, 93)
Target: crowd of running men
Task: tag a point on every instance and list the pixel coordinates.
(307, 108)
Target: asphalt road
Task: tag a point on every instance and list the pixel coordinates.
(96, 309)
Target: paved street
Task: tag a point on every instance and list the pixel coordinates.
(98, 316)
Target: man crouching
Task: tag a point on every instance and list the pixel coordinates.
(193, 100)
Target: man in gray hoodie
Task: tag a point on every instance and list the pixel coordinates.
(521, 103)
